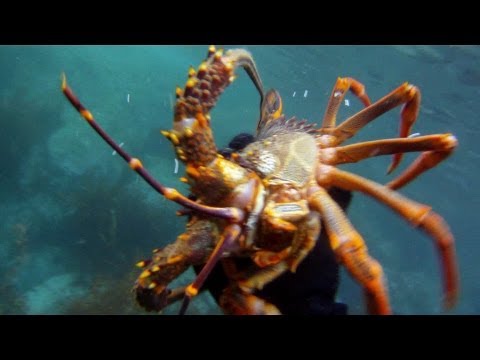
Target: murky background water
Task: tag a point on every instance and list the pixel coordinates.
(74, 219)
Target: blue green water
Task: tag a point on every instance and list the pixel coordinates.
(74, 219)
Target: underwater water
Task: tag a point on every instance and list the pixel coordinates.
(74, 219)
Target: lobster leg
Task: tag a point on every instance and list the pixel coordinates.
(417, 214)
(424, 161)
(258, 279)
(436, 148)
(229, 213)
(336, 98)
(235, 302)
(190, 248)
(405, 94)
(304, 241)
(238, 299)
(230, 234)
(231, 272)
(350, 249)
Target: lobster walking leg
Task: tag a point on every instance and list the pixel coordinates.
(190, 248)
(350, 249)
(405, 94)
(304, 240)
(415, 213)
(235, 302)
(227, 240)
(425, 161)
(436, 148)
(338, 93)
(239, 299)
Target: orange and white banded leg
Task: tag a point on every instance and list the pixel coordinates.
(405, 94)
(425, 161)
(351, 251)
(418, 215)
(336, 98)
(436, 148)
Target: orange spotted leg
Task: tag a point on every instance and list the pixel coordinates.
(436, 148)
(416, 214)
(230, 234)
(405, 94)
(229, 213)
(338, 93)
(350, 249)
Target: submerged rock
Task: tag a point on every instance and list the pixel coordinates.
(46, 297)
